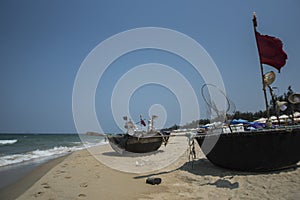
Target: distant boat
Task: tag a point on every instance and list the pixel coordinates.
(263, 149)
(137, 141)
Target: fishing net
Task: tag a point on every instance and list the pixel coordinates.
(219, 106)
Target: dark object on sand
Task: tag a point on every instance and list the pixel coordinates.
(143, 144)
(153, 181)
(138, 141)
(263, 150)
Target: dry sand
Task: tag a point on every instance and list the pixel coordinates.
(82, 176)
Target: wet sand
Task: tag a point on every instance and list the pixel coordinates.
(24, 182)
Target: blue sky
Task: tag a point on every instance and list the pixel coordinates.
(43, 44)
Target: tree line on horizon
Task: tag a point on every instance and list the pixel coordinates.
(250, 116)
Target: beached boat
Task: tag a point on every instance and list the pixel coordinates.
(271, 148)
(137, 141)
(262, 150)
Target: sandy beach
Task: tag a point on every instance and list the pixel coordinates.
(82, 176)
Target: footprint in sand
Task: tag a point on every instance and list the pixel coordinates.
(38, 194)
(68, 177)
(85, 184)
(45, 185)
(82, 195)
(65, 165)
(60, 171)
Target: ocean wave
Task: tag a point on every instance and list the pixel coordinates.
(4, 142)
(41, 154)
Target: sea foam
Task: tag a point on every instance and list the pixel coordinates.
(4, 142)
(38, 155)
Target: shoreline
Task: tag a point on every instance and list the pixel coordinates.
(80, 175)
(80, 171)
(28, 178)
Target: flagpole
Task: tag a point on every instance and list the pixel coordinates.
(261, 68)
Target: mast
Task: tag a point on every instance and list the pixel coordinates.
(261, 68)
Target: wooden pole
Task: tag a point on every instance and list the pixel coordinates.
(261, 69)
(274, 102)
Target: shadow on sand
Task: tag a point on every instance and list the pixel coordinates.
(129, 154)
(203, 167)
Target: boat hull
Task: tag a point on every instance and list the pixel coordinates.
(255, 151)
(134, 144)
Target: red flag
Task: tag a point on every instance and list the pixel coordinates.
(270, 50)
(142, 121)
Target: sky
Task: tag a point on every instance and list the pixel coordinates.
(43, 44)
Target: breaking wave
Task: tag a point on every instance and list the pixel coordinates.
(5, 142)
(41, 154)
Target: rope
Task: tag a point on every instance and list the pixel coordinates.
(165, 142)
(191, 147)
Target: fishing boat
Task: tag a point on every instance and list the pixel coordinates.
(138, 141)
(265, 149)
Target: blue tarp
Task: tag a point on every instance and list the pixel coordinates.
(239, 121)
(257, 125)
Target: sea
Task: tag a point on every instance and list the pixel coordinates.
(21, 153)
